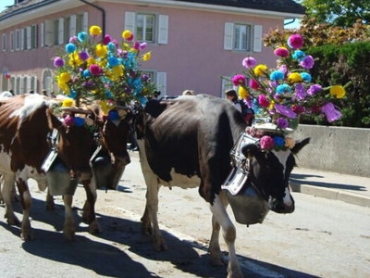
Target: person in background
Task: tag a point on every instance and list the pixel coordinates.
(232, 96)
(241, 106)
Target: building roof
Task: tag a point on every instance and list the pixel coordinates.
(285, 6)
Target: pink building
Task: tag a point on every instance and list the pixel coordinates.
(193, 43)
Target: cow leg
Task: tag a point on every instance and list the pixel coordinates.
(26, 202)
(88, 215)
(152, 211)
(69, 223)
(220, 217)
(50, 205)
(7, 185)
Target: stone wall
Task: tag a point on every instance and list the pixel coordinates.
(335, 149)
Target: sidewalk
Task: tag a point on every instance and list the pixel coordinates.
(350, 189)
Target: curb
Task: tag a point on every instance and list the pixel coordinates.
(332, 194)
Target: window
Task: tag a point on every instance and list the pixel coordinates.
(243, 37)
(81, 22)
(18, 39)
(55, 31)
(150, 28)
(145, 27)
(3, 42)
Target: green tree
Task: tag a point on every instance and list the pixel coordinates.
(337, 12)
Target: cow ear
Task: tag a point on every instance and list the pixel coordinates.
(299, 144)
(250, 150)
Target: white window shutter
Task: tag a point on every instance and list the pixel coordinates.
(48, 33)
(34, 81)
(85, 21)
(28, 84)
(130, 21)
(42, 34)
(72, 25)
(21, 39)
(163, 29)
(257, 38)
(162, 82)
(28, 37)
(61, 30)
(228, 36)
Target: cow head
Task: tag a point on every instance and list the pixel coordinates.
(79, 134)
(269, 171)
(116, 128)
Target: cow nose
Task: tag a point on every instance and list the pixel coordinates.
(278, 205)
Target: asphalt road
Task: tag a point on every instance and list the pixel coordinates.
(322, 238)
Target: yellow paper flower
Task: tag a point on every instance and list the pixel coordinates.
(242, 92)
(117, 70)
(260, 70)
(74, 59)
(91, 61)
(64, 77)
(68, 102)
(101, 50)
(147, 56)
(295, 77)
(104, 106)
(337, 91)
(95, 30)
(126, 34)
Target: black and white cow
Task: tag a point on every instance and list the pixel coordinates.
(187, 143)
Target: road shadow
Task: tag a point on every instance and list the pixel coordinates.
(111, 260)
(304, 179)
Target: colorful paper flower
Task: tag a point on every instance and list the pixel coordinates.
(249, 62)
(337, 91)
(267, 143)
(238, 79)
(281, 95)
(282, 52)
(102, 68)
(295, 41)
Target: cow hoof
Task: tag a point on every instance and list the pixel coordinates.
(218, 260)
(50, 206)
(94, 228)
(12, 220)
(234, 273)
(69, 236)
(27, 235)
(160, 245)
(145, 230)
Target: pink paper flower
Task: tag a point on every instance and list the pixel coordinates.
(254, 84)
(282, 52)
(263, 101)
(238, 79)
(267, 143)
(295, 41)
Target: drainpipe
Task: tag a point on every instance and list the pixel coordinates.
(103, 14)
(292, 21)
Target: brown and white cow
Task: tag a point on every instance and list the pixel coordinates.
(25, 122)
(187, 143)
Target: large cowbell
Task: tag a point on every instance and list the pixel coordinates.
(247, 203)
(106, 174)
(58, 176)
